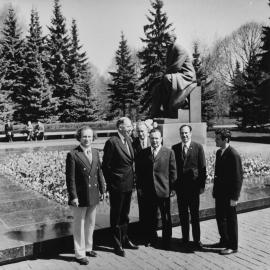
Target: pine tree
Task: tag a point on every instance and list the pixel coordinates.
(237, 90)
(11, 58)
(79, 104)
(58, 43)
(265, 60)
(124, 92)
(207, 93)
(252, 112)
(153, 55)
(36, 97)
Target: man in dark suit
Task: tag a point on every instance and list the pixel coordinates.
(156, 175)
(142, 140)
(9, 131)
(118, 169)
(139, 143)
(85, 186)
(226, 191)
(191, 176)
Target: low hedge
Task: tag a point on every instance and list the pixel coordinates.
(98, 125)
(45, 172)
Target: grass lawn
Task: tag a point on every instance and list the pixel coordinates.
(250, 144)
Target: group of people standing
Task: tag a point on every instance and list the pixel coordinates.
(158, 173)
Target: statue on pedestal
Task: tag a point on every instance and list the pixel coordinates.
(171, 92)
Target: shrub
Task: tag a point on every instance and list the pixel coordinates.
(44, 172)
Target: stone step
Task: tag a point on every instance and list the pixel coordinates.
(15, 196)
(24, 205)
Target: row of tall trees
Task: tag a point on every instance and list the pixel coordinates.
(50, 78)
(44, 77)
(229, 73)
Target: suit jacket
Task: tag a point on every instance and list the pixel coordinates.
(137, 147)
(156, 175)
(118, 164)
(84, 180)
(191, 172)
(228, 174)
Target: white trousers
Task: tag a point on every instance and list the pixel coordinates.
(84, 219)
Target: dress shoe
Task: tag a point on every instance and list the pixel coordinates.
(120, 252)
(216, 245)
(83, 261)
(128, 244)
(151, 243)
(198, 245)
(184, 243)
(91, 253)
(166, 245)
(228, 251)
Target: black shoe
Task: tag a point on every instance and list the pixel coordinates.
(216, 245)
(228, 251)
(166, 245)
(198, 245)
(83, 261)
(91, 253)
(120, 252)
(128, 244)
(184, 243)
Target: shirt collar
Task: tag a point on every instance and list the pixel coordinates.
(157, 149)
(187, 144)
(223, 149)
(85, 149)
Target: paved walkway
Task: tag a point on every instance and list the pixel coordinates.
(254, 252)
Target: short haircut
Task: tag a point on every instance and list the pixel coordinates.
(121, 121)
(79, 131)
(186, 125)
(224, 133)
(154, 130)
(141, 123)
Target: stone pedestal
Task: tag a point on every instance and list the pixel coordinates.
(171, 134)
(192, 116)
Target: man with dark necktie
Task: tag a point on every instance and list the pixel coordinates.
(191, 176)
(226, 191)
(118, 170)
(156, 175)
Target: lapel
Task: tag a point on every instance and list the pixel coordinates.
(80, 154)
(124, 148)
(225, 153)
(159, 154)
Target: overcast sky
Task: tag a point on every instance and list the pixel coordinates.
(100, 22)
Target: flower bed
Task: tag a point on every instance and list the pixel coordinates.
(44, 172)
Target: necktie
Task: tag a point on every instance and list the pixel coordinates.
(143, 144)
(126, 144)
(154, 153)
(89, 155)
(185, 149)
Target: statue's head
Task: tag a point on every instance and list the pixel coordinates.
(172, 36)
